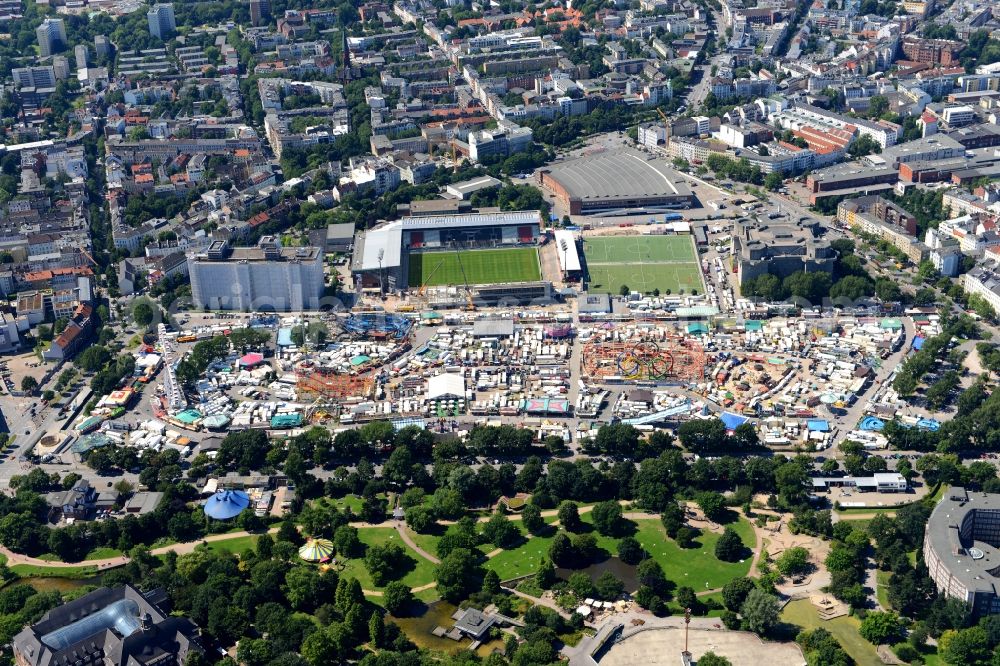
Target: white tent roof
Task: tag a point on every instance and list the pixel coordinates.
(446, 385)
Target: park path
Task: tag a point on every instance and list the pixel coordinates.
(861, 516)
(121, 560)
(548, 603)
(408, 540)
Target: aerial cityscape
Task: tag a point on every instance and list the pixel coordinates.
(451, 332)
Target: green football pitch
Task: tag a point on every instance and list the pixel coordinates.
(437, 269)
(642, 263)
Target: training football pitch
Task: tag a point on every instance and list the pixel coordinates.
(642, 263)
(437, 269)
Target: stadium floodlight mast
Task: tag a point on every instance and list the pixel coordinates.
(381, 287)
(565, 248)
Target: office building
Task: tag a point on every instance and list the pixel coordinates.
(161, 20)
(267, 277)
(110, 626)
(779, 249)
(34, 77)
(505, 140)
(51, 36)
(260, 11)
(80, 53)
(60, 65)
(101, 46)
(960, 548)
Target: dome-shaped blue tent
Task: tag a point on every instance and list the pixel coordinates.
(226, 504)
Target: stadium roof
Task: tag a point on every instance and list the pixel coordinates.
(226, 504)
(570, 259)
(618, 174)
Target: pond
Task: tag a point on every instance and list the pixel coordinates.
(438, 614)
(626, 573)
(61, 585)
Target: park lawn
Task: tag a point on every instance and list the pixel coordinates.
(522, 560)
(697, 567)
(236, 545)
(882, 588)
(844, 629)
(422, 573)
(103, 553)
(36, 571)
(50, 557)
(348, 501)
(428, 542)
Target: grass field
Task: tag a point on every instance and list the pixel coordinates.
(642, 263)
(698, 567)
(32, 571)
(695, 567)
(844, 629)
(481, 267)
(236, 545)
(418, 571)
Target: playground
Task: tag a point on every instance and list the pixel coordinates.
(436, 269)
(643, 264)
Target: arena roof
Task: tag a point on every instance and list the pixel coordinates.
(618, 174)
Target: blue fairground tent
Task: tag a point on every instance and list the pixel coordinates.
(732, 421)
(818, 425)
(918, 342)
(226, 504)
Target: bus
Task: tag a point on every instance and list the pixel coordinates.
(186, 338)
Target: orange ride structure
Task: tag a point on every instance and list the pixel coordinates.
(659, 357)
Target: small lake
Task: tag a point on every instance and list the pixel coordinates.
(438, 614)
(623, 572)
(61, 585)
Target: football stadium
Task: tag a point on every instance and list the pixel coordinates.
(494, 253)
(643, 264)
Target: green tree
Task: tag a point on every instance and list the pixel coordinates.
(458, 575)
(607, 517)
(793, 561)
(531, 518)
(569, 517)
(964, 647)
(729, 547)
(773, 181)
(500, 531)
(759, 612)
(29, 384)
(143, 313)
(735, 592)
(397, 598)
(712, 504)
(608, 586)
(880, 627)
(712, 659)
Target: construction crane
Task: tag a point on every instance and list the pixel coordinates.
(666, 123)
(469, 305)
